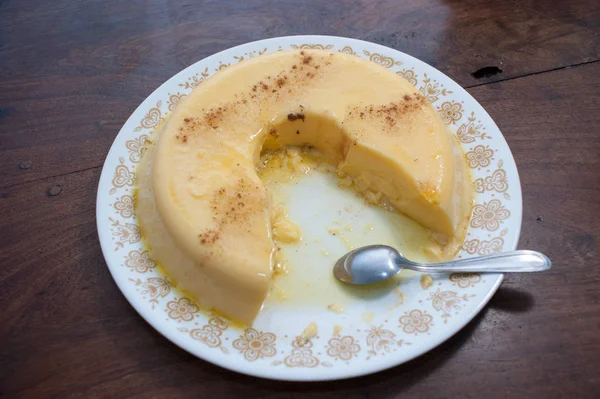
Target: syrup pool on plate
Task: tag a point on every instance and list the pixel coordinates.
(332, 220)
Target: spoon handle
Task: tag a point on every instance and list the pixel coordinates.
(515, 261)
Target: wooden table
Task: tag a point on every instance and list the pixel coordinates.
(72, 71)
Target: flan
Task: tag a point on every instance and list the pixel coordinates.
(206, 215)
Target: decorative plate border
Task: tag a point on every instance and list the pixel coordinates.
(446, 304)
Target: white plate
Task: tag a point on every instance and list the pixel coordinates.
(367, 343)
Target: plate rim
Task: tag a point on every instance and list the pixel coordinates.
(275, 374)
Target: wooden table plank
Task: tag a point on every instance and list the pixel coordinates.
(67, 331)
(73, 71)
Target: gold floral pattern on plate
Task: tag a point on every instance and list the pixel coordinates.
(447, 302)
(124, 206)
(301, 356)
(122, 177)
(381, 341)
(136, 147)
(409, 75)
(432, 90)
(450, 112)
(151, 119)
(139, 261)
(254, 344)
(174, 100)
(480, 156)
(492, 246)
(483, 247)
(381, 59)
(221, 66)
(154, 287)
(498, 182)
(343, 348)
(210, 333)
(182, 309)
(312, 46)
(348, 50)
(489, 215)
(250, 54)
(471, 131)
(416, 322)
(125, 233)
(465, 280)
(195, 80)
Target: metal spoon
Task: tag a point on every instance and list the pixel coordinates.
(375, 263)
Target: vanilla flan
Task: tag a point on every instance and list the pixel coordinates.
(205, 213)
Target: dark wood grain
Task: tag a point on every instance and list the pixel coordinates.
(71, 73)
